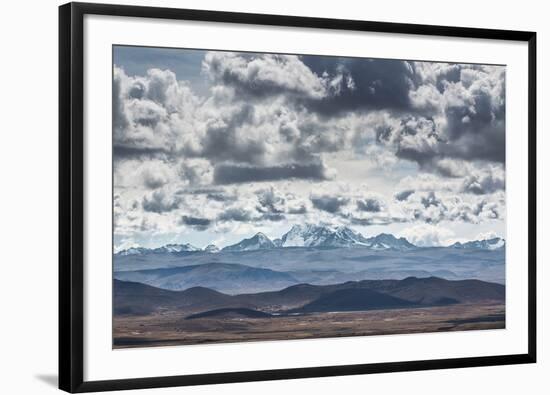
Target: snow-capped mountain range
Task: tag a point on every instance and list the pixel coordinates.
(488, 244)
(168, 248)
(257, 242)
(313, 236)
(322, 236)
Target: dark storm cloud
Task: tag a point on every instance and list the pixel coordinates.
(470, 99)
(434, 210)
(220, 197)
(326, 85)
(242, 215)
(223, 142)
(215, 194)
(196, 172)
(269, 202)
(273, 217)
(298, 210)
(153, 183)
(369, 205)
(158, 202)
(371, 220)
(475, 114)
(483, 184)
(196, 222)
(483, 141)
(431, 200)
(235, 214)
(233, 174)
(258, 76)
(404, 195)
(121, 152)
(476, 130)
(361, 221)
(199, 191)
(377, 84)
(120, 122)
(331, 204)
(416, 139)
(469, 123)
(489, 209)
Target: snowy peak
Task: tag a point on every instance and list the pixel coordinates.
(309, 235)
(171, 248)
(306, 236)
(322, 236)
(132, 251)
(166, 249)
(212, 248)
(487, 244)
(257, 242)
(385, 241)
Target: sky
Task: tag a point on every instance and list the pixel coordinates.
(210, 147)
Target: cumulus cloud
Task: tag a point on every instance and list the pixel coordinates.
(235, 214)
(404, 195)
(331, 204)
(269, 202)
(431, 200)
(274, 138)
(263, 75)
(487, 235)
(425, 235)
(459, 114)
(231, 174)
(197, 171)
(475, 112)
(487, 181)
(160, 202)
(377, 83)
(151, 114)
(154, 180)
(371, 205)
(197, 223)
(448, 167)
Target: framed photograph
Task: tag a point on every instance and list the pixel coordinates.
(253, 197)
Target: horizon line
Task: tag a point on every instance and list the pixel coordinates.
(280, 237)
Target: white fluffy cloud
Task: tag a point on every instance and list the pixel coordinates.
(425, 235)
(282, 139)
(265, 74)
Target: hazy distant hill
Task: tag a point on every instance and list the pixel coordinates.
(224, 277)
(487, 244)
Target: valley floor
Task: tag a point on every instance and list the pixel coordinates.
(171, 327)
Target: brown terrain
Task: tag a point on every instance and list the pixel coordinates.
(149, 316)
(172, 328)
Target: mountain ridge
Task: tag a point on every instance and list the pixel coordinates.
(486, 244)
(230, 278)
(312, 236)
(133, 298)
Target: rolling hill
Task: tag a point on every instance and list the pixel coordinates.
(354, 299)
(135, 299)
(130, 298)
(224, 277)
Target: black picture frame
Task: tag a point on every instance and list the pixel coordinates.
(71, 195)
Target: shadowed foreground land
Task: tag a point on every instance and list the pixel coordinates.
(172, 327)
